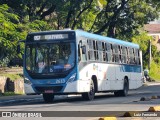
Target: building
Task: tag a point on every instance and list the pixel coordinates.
(154, 30)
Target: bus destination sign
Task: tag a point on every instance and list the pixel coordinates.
(51, 37)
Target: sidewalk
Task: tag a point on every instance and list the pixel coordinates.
(151, 83)
(19, 98)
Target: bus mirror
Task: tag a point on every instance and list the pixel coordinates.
(18, 49)
(84, 49)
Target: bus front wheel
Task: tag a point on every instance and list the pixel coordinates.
(89, 95)
(48, 97)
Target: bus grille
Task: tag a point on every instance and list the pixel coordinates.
(55, 88)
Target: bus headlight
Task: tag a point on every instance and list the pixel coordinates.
(27, 81)
(72, 78)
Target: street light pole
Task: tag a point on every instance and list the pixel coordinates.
(150, 55)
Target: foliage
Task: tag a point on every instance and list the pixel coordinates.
(114, 18)
(8, 33)
(11, 31)
(154, 71)
(143, 40)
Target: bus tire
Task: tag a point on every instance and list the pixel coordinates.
(89, 95)
(48, 97)
(125, 90)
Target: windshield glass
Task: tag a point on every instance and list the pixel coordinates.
(50, 58)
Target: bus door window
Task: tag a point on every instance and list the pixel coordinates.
(83, 50)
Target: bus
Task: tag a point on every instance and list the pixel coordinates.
(63, 62)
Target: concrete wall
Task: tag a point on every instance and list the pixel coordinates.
(7, 85)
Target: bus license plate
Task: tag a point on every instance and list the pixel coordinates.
(48, 91)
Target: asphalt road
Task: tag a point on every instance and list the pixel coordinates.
(69, 107)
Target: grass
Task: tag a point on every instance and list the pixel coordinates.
(12, 76)
(9, 94)
(155, 72)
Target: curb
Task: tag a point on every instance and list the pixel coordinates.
(154, 109)
(108, 118)
(133, 113)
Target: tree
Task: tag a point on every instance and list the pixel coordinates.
(122, 18)
(11, 31)
(114, 18)
(8, 33)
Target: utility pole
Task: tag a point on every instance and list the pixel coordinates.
(150, 55)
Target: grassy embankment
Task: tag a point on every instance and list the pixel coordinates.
(155, 71)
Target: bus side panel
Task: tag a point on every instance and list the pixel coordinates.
(85, 74)
(77, 86)
(111, 76)
(103, 82)
(120, 75)
(136, 78)
(133, 80)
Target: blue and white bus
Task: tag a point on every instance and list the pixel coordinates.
(77, 62)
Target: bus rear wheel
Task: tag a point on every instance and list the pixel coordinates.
(125, 90)
(48, 97)
(89, 95)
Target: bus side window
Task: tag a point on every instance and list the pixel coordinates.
(104, 51)
(134, 56)
(91, 50)
(123, 58)
(131, 55)
(137, 57)
(112, 53)
(127, 56)
(116, 53)
(95, 50)
(97, 56)
(100, 50)
(120, 53)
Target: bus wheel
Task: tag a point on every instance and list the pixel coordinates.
(48, 97)
(123, 92)
(89, 95)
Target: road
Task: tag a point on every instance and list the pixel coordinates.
(102, 102)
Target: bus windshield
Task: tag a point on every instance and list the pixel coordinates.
(50, 58)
